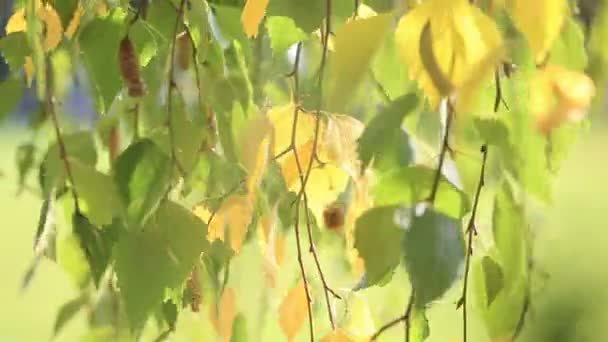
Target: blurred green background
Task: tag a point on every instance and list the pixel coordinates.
(569, 300)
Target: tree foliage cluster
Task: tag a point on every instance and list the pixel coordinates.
(373, 129)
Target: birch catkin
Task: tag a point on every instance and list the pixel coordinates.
(129, 68)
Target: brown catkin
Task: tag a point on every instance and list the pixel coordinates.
(333, 216)
(193, 287)
(129, 68)
(184, 50)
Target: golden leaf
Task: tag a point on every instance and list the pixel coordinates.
(340, 142)
(272, 244)
(54, 31)
(559, 95)
(256, 150)
(282, 121)
(234, 214)
(75, 21)
(16, 23)
(293, 311)
(30, 70)
(540, 21)
(465, 44)
(223, 317)
(338, 335)
(252, 16)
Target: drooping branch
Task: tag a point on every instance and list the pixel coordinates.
(326, 289)
(471, 231)
(431, 199)
(171, 85)
(320, 99)
(49, 108)
(445, 147)
(303, 272)
(304, 173)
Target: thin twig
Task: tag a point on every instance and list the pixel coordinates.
(49, 108)
(498, 99)
(405, 318)
(320, 96)
(471, 231)
(326, 289)
(445, 146)
(171, 86)
(303, 271)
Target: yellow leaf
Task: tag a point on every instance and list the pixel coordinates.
(252, 16)
(234, 214)
(75, 21)
(337, 336)
(293, 311)
(465, 42)
(272, 244)
(49, 16)
(559, 95)
(340, 142)
(282, 121)
(30, 70)
(540, 21)
(256, 150)
(16, 23)
(364, 11)
(223, 317)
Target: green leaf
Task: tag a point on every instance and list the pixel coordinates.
(79, 146)
(229, 22)
(67, 312)
(170, 313)
(15, 47)
(145, 41)
(494, 278)
(390, 72)
(96, 244)
(380, 139)
(569, 49)
(99, 41)
(187, 138)
(143, 174)
(239, 329)
(414, 183)
(419, 330)
(355, 44)
(25, 161)
(378, 235)
(508, 224)
(97, 192)
(307, 15)
(434, 253)
(65, 9)
(157, 257)
(12, 91)
(283, 33)
(381, 5)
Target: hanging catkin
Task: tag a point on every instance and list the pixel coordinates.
(129, 68)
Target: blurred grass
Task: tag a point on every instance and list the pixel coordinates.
(571, 247)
